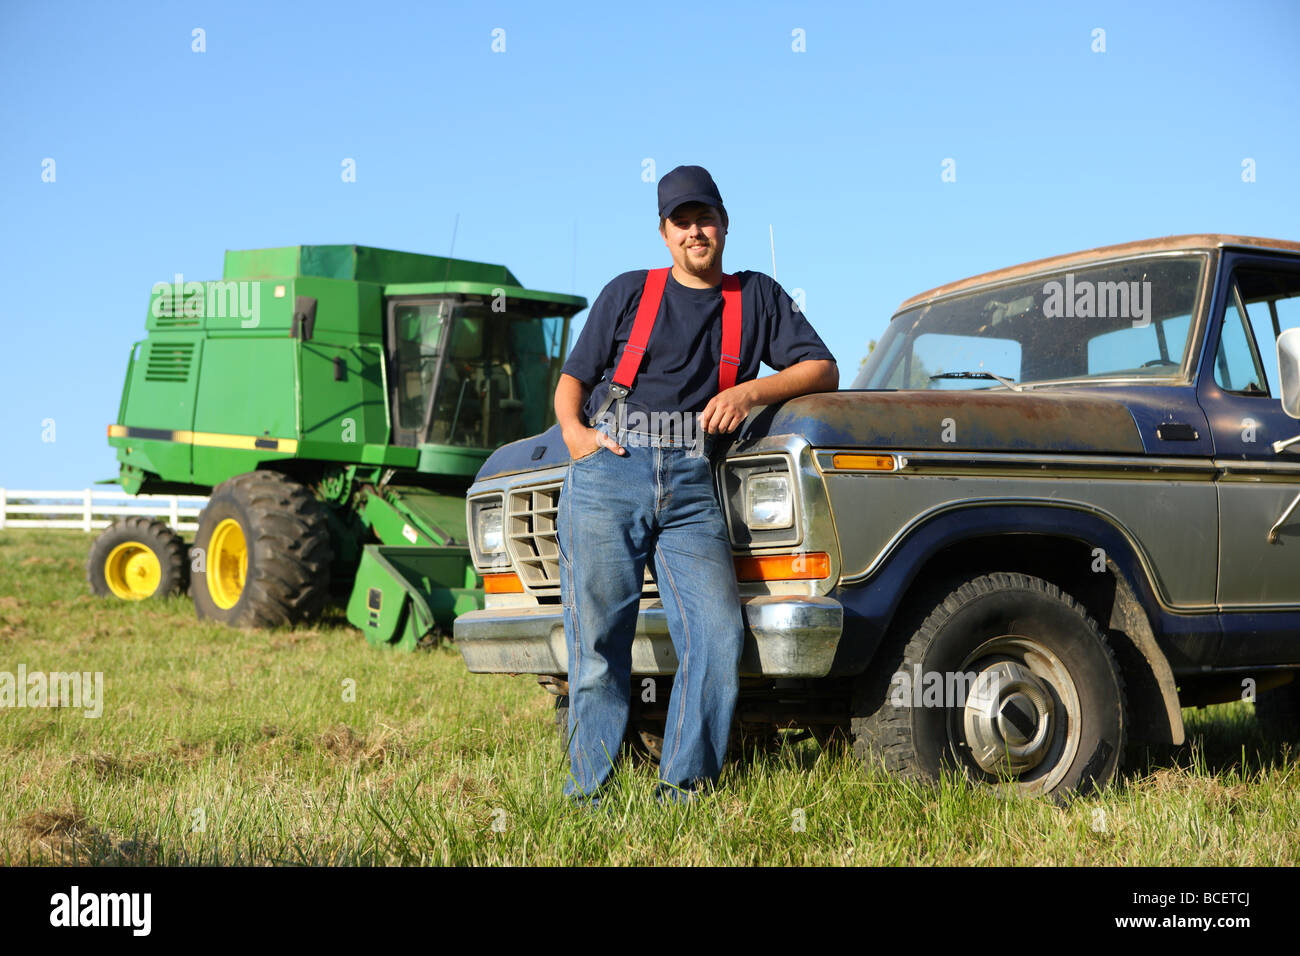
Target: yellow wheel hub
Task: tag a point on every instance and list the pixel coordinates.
(132, 571)
(227, 564)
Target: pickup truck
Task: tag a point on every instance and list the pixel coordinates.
(1057, 505)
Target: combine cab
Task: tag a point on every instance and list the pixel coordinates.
(336, 402)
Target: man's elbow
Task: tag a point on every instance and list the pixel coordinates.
(828, 377)
(814, 375)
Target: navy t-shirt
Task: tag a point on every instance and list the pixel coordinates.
(679, 371)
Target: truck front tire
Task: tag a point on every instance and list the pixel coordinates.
(1007, 678)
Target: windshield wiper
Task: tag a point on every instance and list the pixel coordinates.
(1005, 381)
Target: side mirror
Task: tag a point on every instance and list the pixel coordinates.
(1288, 361)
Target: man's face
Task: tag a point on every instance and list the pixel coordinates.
(695, 235)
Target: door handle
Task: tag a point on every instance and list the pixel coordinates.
(1176, 431)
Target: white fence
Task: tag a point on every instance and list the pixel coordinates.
(89, 509)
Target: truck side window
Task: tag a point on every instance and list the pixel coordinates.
(1272, 303)
(1237, 367)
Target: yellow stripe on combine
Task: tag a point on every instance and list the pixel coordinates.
(246, 442)
(286, 446)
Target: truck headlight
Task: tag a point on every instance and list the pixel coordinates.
(768, 502)
(487, 526)
(761, 495)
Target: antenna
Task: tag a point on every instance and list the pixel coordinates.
(772, 238)
(452, 251)
(573, 282)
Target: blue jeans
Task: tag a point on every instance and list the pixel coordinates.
(616, 512)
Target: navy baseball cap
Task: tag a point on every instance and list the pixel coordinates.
(687, 184)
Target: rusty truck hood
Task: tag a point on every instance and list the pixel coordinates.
(1057, 420)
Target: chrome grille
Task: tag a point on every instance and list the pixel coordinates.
(530, 532)
(531, 539)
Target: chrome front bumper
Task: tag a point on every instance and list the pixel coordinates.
(785, 636)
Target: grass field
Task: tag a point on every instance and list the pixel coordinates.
(226, 747)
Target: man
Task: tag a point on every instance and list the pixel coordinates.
(642, 494)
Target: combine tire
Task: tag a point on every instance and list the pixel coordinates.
(262, 554)
(137, 558)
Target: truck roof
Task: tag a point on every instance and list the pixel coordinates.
(1166, 244)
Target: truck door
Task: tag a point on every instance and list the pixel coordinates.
(1257, 297)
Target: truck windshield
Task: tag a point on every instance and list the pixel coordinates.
(471, 376)
(1120, 320)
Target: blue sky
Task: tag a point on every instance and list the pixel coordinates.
(164, 157)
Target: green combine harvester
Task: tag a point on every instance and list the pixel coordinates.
(336, 402)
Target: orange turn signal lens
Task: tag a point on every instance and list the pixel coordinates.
(864, 462)
(507, 583)
(784, 567)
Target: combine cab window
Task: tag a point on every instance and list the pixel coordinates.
(497, 383)
(417, 339)
(465, 375)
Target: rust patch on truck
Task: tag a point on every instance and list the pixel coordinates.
(1059, 421)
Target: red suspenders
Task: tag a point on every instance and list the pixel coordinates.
(730, 363)
(630, 361)
(646, 313)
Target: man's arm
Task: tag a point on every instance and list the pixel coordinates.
(589, 358)
(570, 396)
(728, 409)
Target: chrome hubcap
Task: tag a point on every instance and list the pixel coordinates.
(1021, 717)
(1008, 719)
